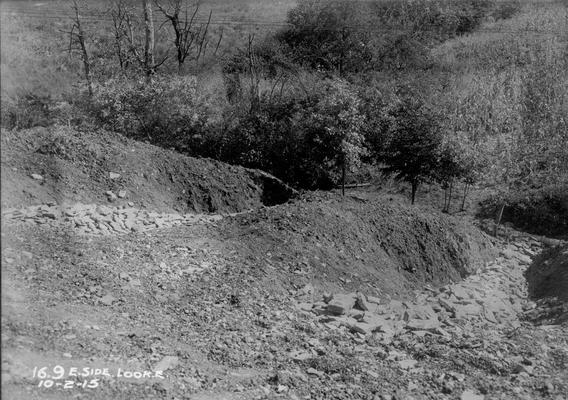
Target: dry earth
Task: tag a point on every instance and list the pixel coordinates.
(321, 297)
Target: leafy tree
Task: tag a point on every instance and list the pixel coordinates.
(326, 35)
(449, 169)
(413, 144)
(337, 125)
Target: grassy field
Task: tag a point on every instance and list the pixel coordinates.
(34, 55)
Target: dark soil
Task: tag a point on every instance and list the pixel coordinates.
(76, 167)
(346, 243)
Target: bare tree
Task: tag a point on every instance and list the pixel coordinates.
(189, 38)
(119, 15)
(254, 74)
(128, 44)
(149, 42)
(77, 41)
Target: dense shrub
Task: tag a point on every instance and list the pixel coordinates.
(165, 111)
(27, 111)
(309, 143)
(541, 211)
(350, 37)
(272, 139)
(327, 36)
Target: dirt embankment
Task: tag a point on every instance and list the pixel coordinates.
(347, 244)
(70, 166)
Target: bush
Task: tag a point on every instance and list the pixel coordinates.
(541, 211)
(309, 143)
(275, 139)
(165, 111)
(327, 36)
(27, 111)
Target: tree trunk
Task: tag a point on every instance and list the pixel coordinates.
(414, 190)
(84, 52)
(450, 196)
(498, 219)
(445, 209)
(343, 179)
(464, 196)
(149, 39)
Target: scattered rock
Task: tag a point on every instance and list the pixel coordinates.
(168, 362)
(361, 302)
(122, 194)
(114, 175)
(110, 195)
(470, 395)
(313, 371)
(407, 364)
(341, 304)
(430, 325)
(37, 177)
(107, 300)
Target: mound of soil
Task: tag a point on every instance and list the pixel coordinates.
(75, 166)
(548, 275)
(336, 243)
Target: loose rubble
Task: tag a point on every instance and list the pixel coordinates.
(483, 299)
(92, 219)
(465, 340)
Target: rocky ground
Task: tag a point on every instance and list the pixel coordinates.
(130, 271)
(176, 297)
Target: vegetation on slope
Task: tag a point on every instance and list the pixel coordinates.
(485, 80)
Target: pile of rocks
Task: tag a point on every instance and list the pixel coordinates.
(103, 220)
(484, 298)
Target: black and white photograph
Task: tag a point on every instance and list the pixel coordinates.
(284, 199)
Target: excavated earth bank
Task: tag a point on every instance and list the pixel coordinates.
(323, 297)
(387, 248)
(61, 165)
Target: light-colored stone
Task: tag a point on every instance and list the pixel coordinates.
(341, 304)
(114, 175)
(470, 395)
(168, 362)
(407, 364)
(313, 371)
(122, 194)
(37, 177)
(110, 195)
(423, 324)
(107, 300)
(361, 302)
(419, 312)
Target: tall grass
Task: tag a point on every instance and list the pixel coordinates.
(507, 94)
